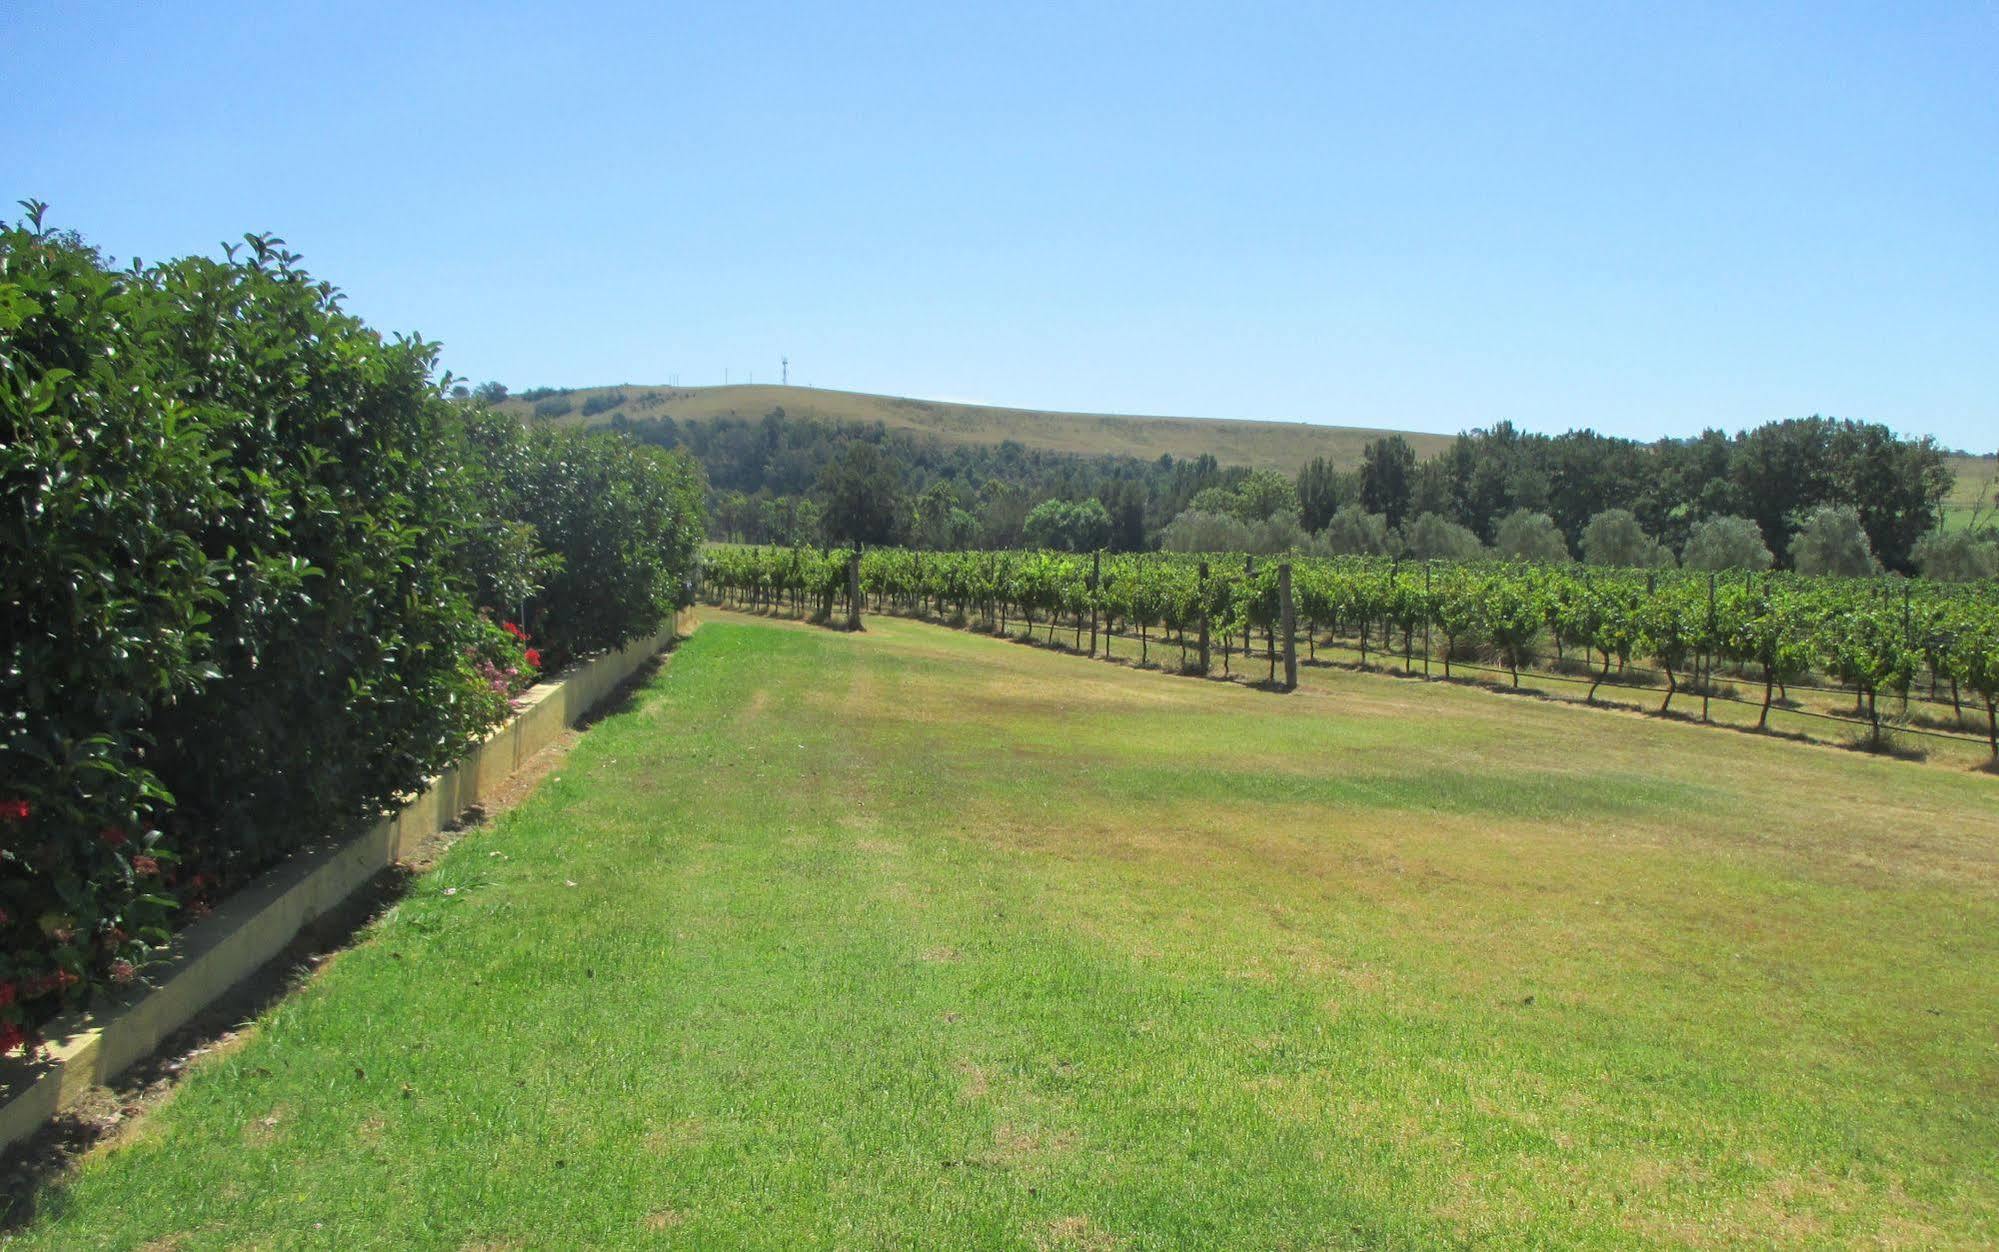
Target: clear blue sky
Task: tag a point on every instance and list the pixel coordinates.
(1643, 219)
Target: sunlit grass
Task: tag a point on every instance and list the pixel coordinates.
(920, 938)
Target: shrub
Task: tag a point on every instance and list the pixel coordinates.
(620, 522)
(246, 543)
(1614, 537)
(1278, 533)
(1431, 536)
(552, 407)
(1958, 556)
(1198, 531)
(1832, 541)
(602, 402)
(1068, 526)
(1353, 531)
(1721, 543)
(1524, 535)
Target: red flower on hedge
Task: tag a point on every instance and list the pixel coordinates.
(58, 981)
(515, 631)
(534, 658)
(8, 993)
(14, 810)
(112, 837)
(10, 1037)
(143, 865)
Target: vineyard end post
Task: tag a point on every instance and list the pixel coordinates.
(1427, 613)
(1288, 623)
(1096, 581)
(854, 590)
(1204, 618)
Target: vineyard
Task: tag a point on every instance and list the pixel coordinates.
(1886, 656)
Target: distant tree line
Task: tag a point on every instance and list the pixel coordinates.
(1817, 493)
(781, 478)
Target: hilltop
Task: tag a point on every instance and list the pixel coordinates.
(1282, 446)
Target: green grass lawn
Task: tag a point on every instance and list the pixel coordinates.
(924, 939)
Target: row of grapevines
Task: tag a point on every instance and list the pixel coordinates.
(1874, 637)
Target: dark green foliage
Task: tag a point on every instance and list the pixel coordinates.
(863, 496)
(246, 543)
(620, 521)
(784, 458)
(1387, 477)
(1323, 491)
(1775, 474)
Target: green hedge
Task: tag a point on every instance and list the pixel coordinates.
(257, 581)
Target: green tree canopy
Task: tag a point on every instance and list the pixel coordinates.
(1832, 541)
(1614, 537)
(1726, 542)
(1524, 535)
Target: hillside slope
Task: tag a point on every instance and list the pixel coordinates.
(1281, 446)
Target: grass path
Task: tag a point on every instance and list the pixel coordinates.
(924, 939)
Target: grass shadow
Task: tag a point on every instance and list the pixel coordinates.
(31, 1170)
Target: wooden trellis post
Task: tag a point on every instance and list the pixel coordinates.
(1288, 623)
(854, 589)
(1204, 617)
(1096, 581)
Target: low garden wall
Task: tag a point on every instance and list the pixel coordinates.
(248, 929)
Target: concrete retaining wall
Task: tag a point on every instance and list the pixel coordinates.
(254, 925)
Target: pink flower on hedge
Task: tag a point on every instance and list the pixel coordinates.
(112, 837)
(143, 865)
(122, 971)
(14, 810)
(5, 917)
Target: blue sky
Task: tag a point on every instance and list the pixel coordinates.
(1645, 219)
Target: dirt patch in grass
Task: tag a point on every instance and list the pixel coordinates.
(1074, 1234)
(975, 1085)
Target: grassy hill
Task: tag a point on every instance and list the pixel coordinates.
(1281, 446)
(1976, 477)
